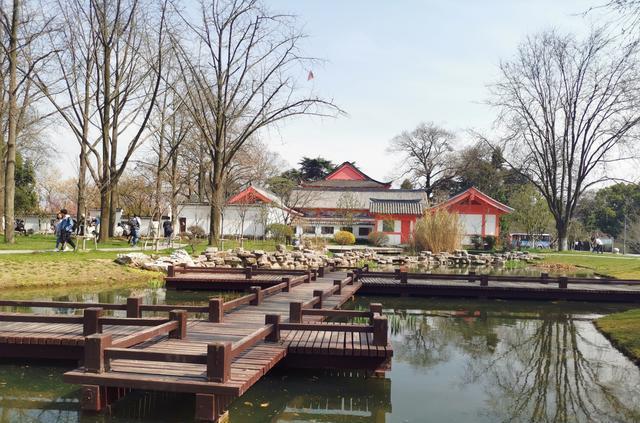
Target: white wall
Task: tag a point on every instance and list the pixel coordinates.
(198, 214)
(471, 223)
(490, 224)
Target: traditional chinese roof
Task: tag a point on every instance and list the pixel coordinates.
(474, 196)
(360, 199)
(254, 195)
(347, 175)
(379, 206)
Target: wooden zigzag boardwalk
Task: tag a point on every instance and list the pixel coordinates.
(216, 359)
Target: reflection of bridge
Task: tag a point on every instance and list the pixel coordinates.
(218, 359)
(334, 398)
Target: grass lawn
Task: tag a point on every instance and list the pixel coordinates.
(623, 329)
(621, 267)
(41, 270)
(48, 242)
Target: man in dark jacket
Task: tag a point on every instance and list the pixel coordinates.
(67, 227)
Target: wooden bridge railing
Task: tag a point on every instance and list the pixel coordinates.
(91, 320)
(248, 272)
(134, 307)
(544, 278)
(378, 324)
(100, 349)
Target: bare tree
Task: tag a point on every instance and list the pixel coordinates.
(569, 109)
(242, 81)
(426, 155)
(128, 71)
(20, 31)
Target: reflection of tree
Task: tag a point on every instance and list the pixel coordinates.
(426, 340)
(543, 372)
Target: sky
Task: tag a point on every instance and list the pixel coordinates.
(393, 64)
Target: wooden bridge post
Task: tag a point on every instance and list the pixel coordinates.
(318, 293)
(404, 277)
(216, 310)
(321, 271)
(94, 346)
(309, 276)
(287, 281)
(375, 308)
(248, 272)
(259, 295)
(171, 271)
(563, 282)
(133, 307)
(91, 321)
(219, 361)
(295, 312)
(484, 280)
(273, 319)
(314, 274)
(352, 276)
(472, 276)
(544, 278)
(179, 316)
(338, 283)
(380, 331)
(397, 272)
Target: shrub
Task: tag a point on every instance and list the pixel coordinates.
(438, 231)
(476, 241)
(280, 231)
(314, 242)
(490, 242)
(344, 238)
(196, 231)
(378, 239)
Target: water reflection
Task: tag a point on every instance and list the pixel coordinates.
(552, 367)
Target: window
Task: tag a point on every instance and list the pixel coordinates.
(388, 225)
(327, 230)
(309, 230)
(364, 231)
(347, 229)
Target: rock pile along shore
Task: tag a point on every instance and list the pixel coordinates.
(303, 259)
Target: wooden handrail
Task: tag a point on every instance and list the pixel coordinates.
(327, 327)
(336, 313)
(250, 340)
(40, 318)
(235, 303)
(61, 304)
(146, 334)
(143, 355)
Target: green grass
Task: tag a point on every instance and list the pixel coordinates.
(49, 269)
(623, 329)
(621, 267)
(48, 242)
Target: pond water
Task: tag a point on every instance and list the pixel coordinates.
(455, 361)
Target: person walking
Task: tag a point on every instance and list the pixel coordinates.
(167, 227)
(58, 233)
(67, 227)
(135, 224)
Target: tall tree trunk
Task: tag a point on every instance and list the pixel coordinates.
(217, 201)
(10, 168)
(3, 159)
(174, 190)
(82, 172)
(562, 228)
(105, 188)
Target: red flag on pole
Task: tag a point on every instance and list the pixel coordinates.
(310, 76)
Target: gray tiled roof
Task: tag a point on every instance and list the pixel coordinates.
(380, 206)
(329, 198)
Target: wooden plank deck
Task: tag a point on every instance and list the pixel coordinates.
(212, 398)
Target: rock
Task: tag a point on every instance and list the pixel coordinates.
(132, 259)
(281, 248)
